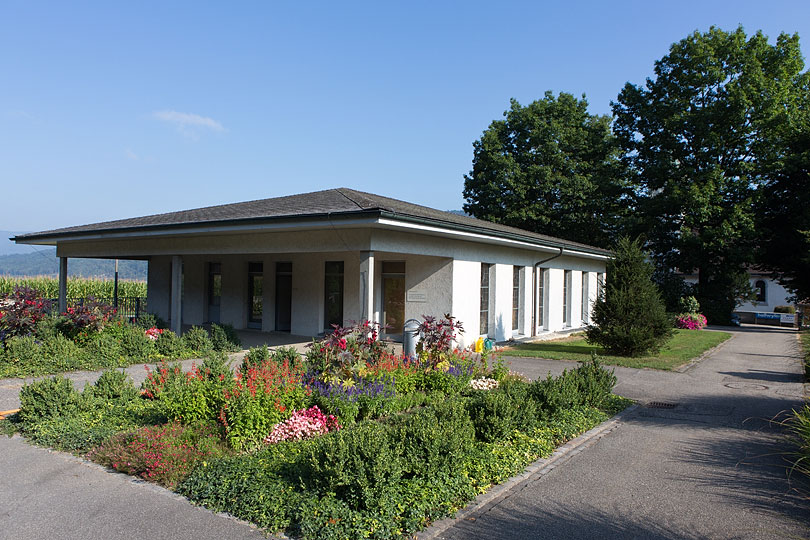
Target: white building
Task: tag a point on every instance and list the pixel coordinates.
(301, 263)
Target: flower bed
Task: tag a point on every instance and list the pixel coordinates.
(351, 442)
(35, 341)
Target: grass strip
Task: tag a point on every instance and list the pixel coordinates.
(683, 347)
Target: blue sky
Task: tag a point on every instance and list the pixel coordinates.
(116, 109)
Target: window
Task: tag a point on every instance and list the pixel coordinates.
(760, 289)
(515, 298)
(214, 291)
(585, 297)
(393, 297)
(255, 294)
(333, 294)
(600, 285)
(283, 296)
(541, 296)
(483, 327)
(566, 299)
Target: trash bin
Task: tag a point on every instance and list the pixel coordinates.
(410, 336)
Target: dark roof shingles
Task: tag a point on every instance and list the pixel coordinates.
(338, 200)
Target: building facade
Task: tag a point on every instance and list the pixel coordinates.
(302, 263)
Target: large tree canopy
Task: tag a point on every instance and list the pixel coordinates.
(700, 138)
(549, 167)
(784, 215)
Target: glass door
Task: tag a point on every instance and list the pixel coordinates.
(283, 296)
(255, 290)
(214, 291)
(333, 295)
(393, 299)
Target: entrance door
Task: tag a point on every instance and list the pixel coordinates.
(255, 290)
(283, 296)
(333, 295)
(393, 298)
(214, 291)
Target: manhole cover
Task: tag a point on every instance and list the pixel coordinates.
(660, 405)
(745, 386)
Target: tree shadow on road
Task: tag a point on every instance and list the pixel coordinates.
(552, 520)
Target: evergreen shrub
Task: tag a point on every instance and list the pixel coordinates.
(629, 319)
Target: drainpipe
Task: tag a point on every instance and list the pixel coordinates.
(534, 289)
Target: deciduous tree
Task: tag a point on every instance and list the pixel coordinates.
(699, 136)
(549, 167)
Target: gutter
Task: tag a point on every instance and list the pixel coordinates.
(534, 288)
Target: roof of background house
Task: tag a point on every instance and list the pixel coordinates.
(330, 203)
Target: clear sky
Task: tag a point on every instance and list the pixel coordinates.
(121, 109)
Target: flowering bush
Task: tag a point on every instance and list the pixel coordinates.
(483, 383)
(153, 333)
(20, 311)
(303, 424)
(89, 317)
(346, 352)
(691, 321)
(261, 397)
(163, 454)
(437, 337)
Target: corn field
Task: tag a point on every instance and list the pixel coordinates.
(76, 287)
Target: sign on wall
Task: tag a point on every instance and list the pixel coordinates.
(416, 296)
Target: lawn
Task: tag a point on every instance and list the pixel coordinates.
(804, 339)
(683, 347)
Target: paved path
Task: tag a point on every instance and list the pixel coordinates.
(708, 468)
(712, 467)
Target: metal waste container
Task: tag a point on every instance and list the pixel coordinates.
(410, 336)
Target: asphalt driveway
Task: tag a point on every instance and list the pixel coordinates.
(713, 466)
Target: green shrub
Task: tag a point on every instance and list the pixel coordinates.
(255, 357)
(196, 340)
(62, 353)
(590, 384)
(435, 439)
(497, 413)
(150, 320)
(355, 464)
(113, 385)
(784, 309)
(225, 338)
(344, 410)
(169, 345)
(93, 423)
(629, 319)
(47, 398)
(134, 343)
(104, 351)
(282, 354)
(689, 304)
(51, 325)
(21, 355)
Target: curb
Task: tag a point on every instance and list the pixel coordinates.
(533, 472)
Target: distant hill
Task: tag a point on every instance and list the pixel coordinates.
(7, 247)
(43, 262)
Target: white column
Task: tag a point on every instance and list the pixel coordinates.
(554, 298)
(501, 330)
(575, 297)
(63, 270)
(527, 282)
(177, 296)
(367, 285)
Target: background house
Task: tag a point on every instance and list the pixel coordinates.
(301, 263)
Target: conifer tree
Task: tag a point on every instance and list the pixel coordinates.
(629, 318)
